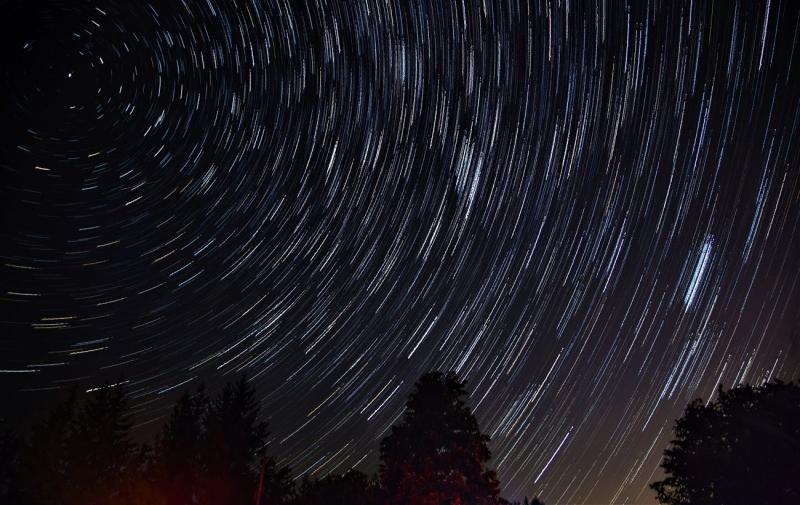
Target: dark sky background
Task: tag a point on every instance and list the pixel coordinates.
(588, 211)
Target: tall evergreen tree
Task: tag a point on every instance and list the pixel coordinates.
(105, 462)
(45, 460)
(83, 455)
(176, 464)
(234, 442)
(437, 455)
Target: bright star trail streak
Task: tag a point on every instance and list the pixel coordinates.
(588, 210)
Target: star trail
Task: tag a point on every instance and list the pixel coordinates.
(589, 211)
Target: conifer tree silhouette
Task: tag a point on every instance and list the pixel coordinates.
(233, 453)
(437, 454)
(105, 462)
(83, 453)
(352, 488)
(45, 463)
(176, 466)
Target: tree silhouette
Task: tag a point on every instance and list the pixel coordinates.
(105, 462)
(176, 469)
(212, 452)
(536, 501)
(45, 462)
(277, 485)
(437, 454)
(352, 488)
(742, 448)
(83, 454)
(233, 457)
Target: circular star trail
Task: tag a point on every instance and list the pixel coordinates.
(588, 210)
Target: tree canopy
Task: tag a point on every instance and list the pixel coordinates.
(742, 448)
(212, 451)
(352, 488)
(437, 455)
(82, 454)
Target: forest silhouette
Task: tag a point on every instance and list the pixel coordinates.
(212, 450)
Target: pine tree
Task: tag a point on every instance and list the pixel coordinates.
(45, 463)
(176, 466)
(83, 455)
(233, 446)
(437, 454)
(104, 461)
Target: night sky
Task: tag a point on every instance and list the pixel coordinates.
(588, 211)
